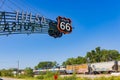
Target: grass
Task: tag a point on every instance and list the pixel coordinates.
(72, 78)
(50, 76)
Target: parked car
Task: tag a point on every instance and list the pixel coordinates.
(1, 79)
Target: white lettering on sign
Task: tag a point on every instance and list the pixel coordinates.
(43, 20)
(37, 18)
(62, 25)
(25, 17)
(17, 14)
(68, 27)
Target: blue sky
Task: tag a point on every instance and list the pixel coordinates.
(96, 23)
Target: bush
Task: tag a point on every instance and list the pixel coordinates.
(49, 74)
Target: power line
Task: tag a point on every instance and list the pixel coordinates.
(16, 5)
(3, 2)
(31, 7)
(35, 9)
(9, 7)
(22, 6)
(28, 5)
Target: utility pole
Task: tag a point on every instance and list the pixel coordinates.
(18, 68)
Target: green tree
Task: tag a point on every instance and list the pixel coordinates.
(46, 65)
(114, 54)
(72, 61)
(98, 54)
(103, 55)
(80, 60)
(28, 72)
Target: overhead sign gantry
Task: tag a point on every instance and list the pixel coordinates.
(27, 23)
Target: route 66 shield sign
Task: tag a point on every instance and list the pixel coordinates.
(64, 25)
